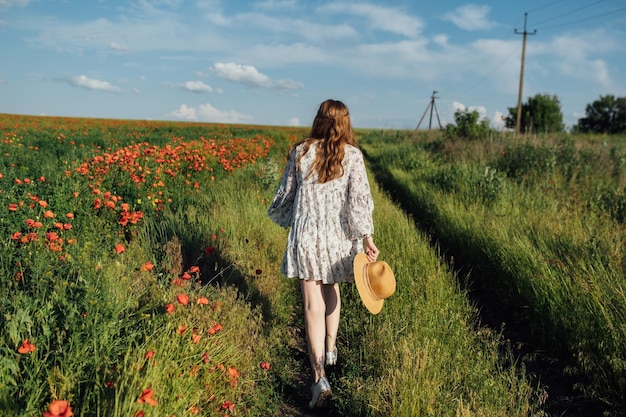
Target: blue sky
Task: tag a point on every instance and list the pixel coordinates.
(272, 62)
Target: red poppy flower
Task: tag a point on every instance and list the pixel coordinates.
(169, 308)
(69, 215)
(265, 365)
(227, 405)
(139, 413)
(149, 354)
(148, 266)
(48, 214)
(16, 235)
(216, 328)
(202, 300)
(43, 203)
(194, 269)
(119, 248)
(12, 207)
(26, 347)
(59, 408)
(183, 299)
(181, 329)
(209, 250)
(147, 396)
(186, 275)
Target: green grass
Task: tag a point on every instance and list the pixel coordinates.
(537, 238)
(95, 314)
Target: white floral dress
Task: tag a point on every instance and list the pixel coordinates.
(327, 221)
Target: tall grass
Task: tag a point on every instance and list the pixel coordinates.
(188, 314)
(525, 216)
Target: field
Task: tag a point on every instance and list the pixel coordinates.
(140, 273)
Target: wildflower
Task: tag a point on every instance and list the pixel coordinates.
(37, 225)
(26, 347)
(179, 282)
(196, 338)
(194, 269)
(48, 214)
(139, 413)
(233, 376)
(149, 354)
(202, 300)
(59, 408)
(69, 215)
(205, 357)
(265, 365)
(109, 384)
(216, 328)
(147, 396)
(119, 248)
(182, 299)
(43, 203)
(209, 250)
(16, 235)
(148, 266)
(186, 275)
(181, 329)
(227, 405)
(259, 272)
(12, 207)
(169, 308)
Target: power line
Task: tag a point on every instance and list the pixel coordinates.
(583, 20)
(544, 6)
(561, 15)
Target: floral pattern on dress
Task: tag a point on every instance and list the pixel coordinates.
(327, 221)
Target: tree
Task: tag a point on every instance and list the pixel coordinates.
(540, 114)
(606, 115)
(468, 125)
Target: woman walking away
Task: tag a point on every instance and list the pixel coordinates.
(324, 197)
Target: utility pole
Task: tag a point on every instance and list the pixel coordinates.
(431, 105)
(521, 77)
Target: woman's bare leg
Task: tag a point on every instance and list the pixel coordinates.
(333, 311)
(315, 324)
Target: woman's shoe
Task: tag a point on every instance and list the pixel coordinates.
(321, 392)
(331, 358)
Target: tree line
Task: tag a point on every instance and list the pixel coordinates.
(542, 114)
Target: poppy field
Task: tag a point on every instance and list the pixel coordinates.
(97, 317)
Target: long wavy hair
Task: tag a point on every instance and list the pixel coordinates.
(332, 130)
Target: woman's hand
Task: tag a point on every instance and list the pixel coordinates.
(371, 251)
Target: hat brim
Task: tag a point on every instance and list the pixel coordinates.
(360, 262)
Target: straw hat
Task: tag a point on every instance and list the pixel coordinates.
(375, 282)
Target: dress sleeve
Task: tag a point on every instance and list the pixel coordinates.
(361, 204)
(281, 209)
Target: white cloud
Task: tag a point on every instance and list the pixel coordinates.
(117, 47)
(298, 28)
(192, 86)
(207, 113)
(470, 17)
(276, 4)
(248, 75)
(294, 121)
(10, 3)
(93, 84)
(382, 18)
